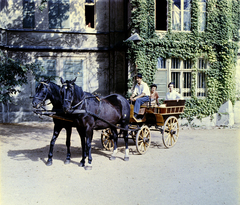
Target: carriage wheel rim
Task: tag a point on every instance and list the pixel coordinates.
(170, 132)
(107, 142)
(143, 140)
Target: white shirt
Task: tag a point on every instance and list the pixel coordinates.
(142, 88)
(173, 95)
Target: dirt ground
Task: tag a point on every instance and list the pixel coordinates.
(202, 168)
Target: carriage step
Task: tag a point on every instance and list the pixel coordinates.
(140, 120)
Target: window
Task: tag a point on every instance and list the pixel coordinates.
(161, 63)
(161, 15)
(49, 66)
(202, 19)
(201, 77)
(181, 15)
(180, 72)
(58, 13)
(72, 69)
(89, 13)
(161, 77)
(187, 77)
(175, 73)
(28, 14)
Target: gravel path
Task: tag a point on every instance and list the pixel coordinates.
(202, 168)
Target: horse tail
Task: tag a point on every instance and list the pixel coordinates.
(125, 110)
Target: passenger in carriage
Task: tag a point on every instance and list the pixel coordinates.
(154, 95)
(172, 94)
(140, 94)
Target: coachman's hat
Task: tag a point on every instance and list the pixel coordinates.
(139, 75)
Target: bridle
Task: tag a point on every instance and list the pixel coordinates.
(42, 100)
(66, 84)
(79, 103)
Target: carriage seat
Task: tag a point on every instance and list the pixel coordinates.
(144, 106)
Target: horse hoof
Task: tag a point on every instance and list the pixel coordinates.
(81, 164)
(112, 158)
(49, 163)
(126, 158)
(67, 161)
(88, 167)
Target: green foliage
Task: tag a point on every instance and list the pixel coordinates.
(43, 5)
(13, 74)
(218, 44)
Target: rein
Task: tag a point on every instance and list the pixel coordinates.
(74, 107)
(96, 116)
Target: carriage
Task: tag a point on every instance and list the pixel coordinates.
(163, 117)
(72, 106)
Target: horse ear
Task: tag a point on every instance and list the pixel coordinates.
(73, 81)
(62, 81)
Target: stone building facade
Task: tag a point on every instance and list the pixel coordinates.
(83, 39)
(69, 38)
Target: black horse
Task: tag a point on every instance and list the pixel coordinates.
(49, 90)
(96, 114)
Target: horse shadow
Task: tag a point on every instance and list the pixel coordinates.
(59, 153)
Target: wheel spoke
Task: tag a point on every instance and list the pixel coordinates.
(105, 135)
(143, 139)
(141, 147)
(167, 137)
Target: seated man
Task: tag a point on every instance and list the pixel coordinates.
(154, 95)
(140, 94)
(172, 94)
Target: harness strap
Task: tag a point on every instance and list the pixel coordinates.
(112, 125)
(46, 85)
(79, 103)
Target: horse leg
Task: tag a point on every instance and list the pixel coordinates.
(115, 138)
(125, 133)
(68, 143)
(56, 132)
(82, 135)
(89, 135)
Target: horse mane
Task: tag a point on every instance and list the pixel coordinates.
(78, 92)
(55, 96)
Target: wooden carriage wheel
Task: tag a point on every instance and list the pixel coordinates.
(170, 132)
(107, 139)
(143, 139)
(133, 133)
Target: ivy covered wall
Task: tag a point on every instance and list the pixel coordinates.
(218, 44)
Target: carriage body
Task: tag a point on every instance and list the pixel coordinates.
(163, 117)
(157, 115)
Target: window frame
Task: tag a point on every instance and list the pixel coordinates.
(92, 3)
(202, 13)
(185, 68)
(60, 22)
(182, 15)
(201, 70)
(166, 16)
(28, 13)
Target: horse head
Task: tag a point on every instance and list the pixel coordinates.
(42, 91)
(67, 92)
